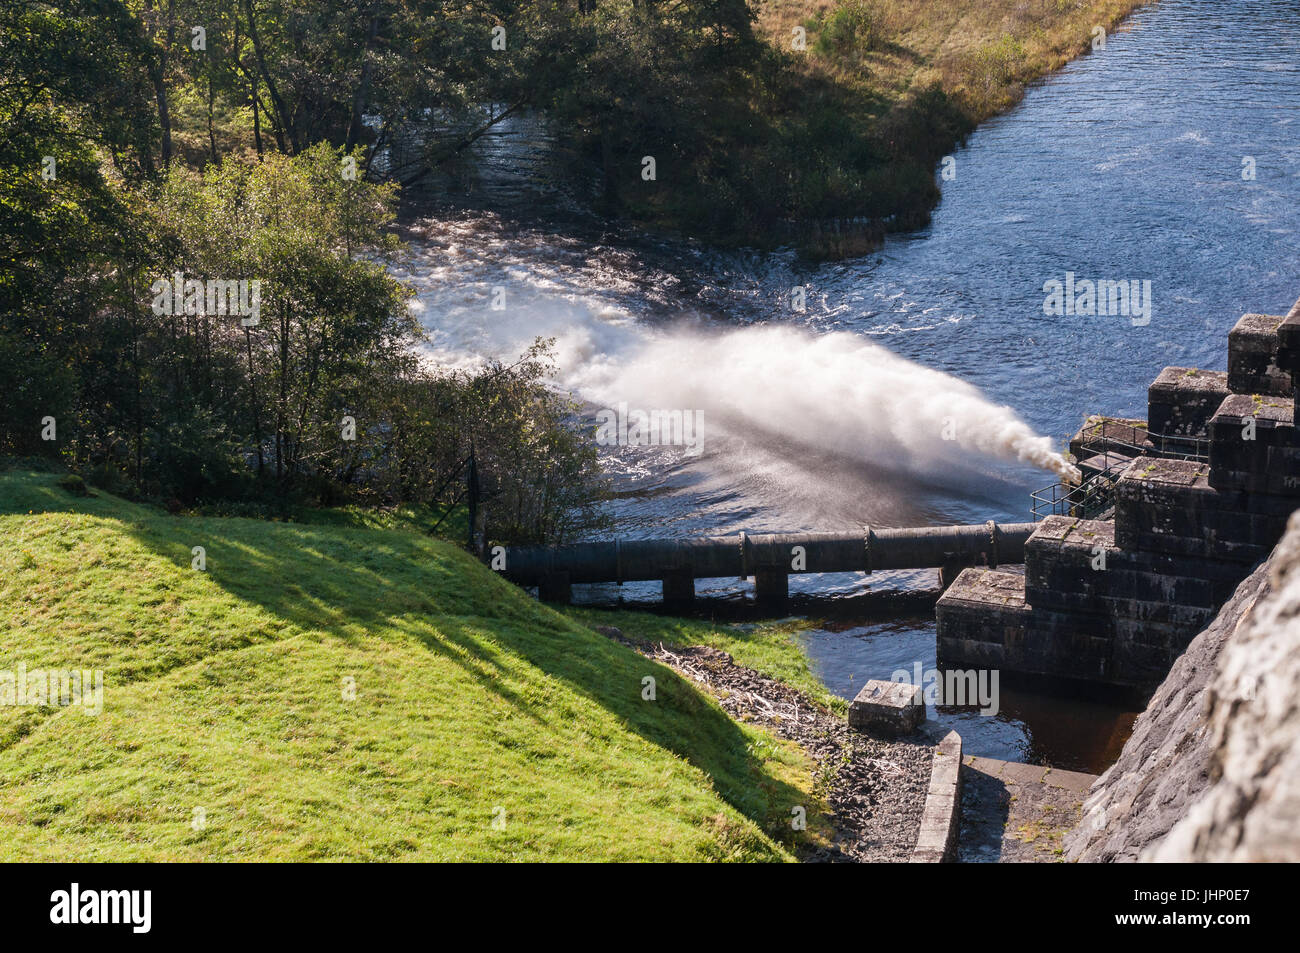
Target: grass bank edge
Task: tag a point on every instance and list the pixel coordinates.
(449, 622)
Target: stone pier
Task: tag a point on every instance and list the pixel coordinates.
(1211, 479)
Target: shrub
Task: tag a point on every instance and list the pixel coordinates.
(74, 485)
(851, 29)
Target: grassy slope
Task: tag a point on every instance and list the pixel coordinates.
(982, 52)
(223, 691)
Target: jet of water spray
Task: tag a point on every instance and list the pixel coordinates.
(837, 393)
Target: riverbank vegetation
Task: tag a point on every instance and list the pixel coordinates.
(766, 121)
(193, 222)
(229, 334)
(332, 693)
(886, 88)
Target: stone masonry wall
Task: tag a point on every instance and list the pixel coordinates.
(1212, 770)
(1250, 809)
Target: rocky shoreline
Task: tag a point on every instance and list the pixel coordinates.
(875, 787)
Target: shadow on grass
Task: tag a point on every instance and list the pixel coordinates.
(349, 583)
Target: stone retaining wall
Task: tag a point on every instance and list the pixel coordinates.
(1116, 601)
(1212, 769)
(941, 817)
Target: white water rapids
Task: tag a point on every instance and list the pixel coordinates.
(776, 402)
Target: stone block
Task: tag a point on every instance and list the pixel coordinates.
(1058, 563)
(1074, 645)
(1253, 356)
(1181, 401)
(978, 617)
(986, 587)
(892, 708)
(1134, 663)
(1169, 507)
(1267, 462)
(941, 815)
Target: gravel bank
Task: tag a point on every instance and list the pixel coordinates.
(875, 787)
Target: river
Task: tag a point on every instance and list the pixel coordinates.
(922, 383)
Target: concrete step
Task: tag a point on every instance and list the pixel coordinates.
(1101, 434)
(1014, 812)
(1112, 463)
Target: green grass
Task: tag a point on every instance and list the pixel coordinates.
(224, 691)
(416, 517)
(771, 648)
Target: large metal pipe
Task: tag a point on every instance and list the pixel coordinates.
(742, 555)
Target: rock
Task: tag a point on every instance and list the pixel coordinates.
(1249, 811)
(1212, 769)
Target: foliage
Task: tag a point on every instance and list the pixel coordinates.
(210, 138)
(851, 28)
(192, 405)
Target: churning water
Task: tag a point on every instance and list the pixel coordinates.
(923, 383)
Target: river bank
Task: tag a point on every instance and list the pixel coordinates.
(874, 787)
(823, 133)
(907, 81)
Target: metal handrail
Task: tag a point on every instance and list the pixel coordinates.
(1082, 500)
(1174, 446)
(1095, 494)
